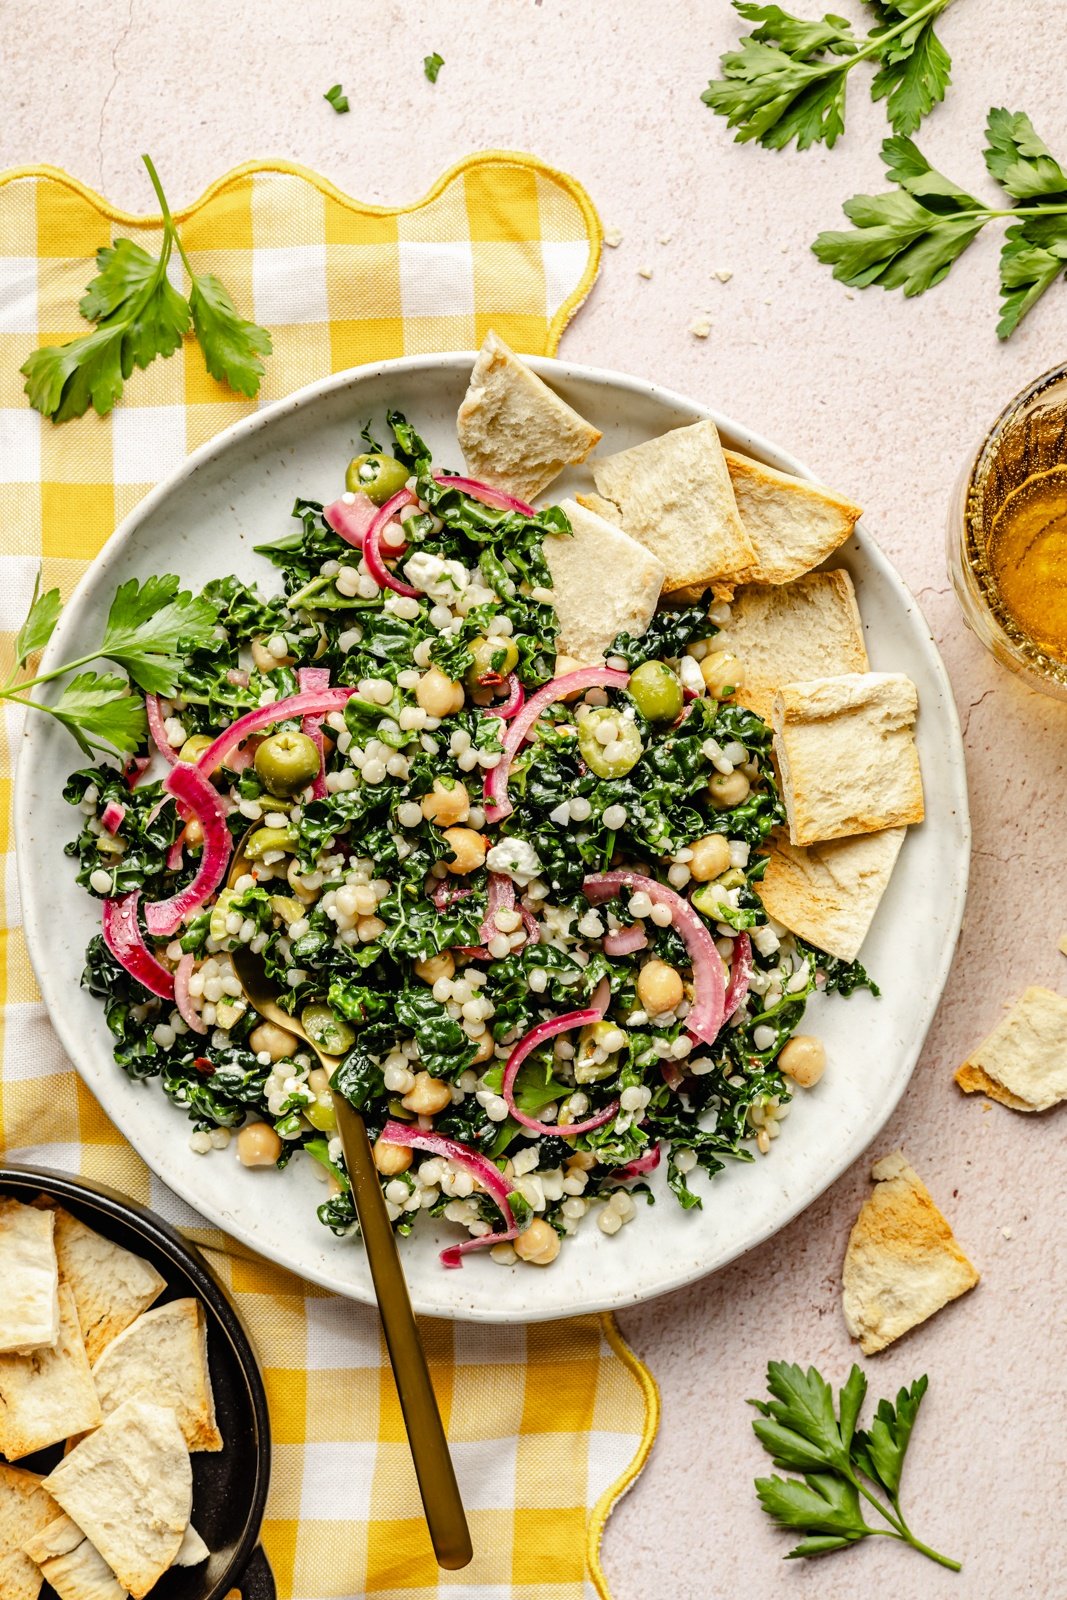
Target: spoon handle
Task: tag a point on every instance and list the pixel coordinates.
(445, 1517)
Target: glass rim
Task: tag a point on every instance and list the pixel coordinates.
(1001, 633)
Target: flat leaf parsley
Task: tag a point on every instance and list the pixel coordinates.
(841, 1466)
(140, 315)
(432, 65)
(909, 237)
(149, 629)
(787, 78)
(337, 98)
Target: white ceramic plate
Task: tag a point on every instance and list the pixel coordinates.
(237, 491)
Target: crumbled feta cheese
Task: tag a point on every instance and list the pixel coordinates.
(700, 326)
(613, 238)
(436, 577)
(515, 857)
(724, 274)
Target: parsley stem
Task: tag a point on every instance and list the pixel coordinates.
(899, 1527)
(170, 228)
(877, 41)
(57, 672)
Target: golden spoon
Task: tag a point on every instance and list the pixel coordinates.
(445, 1517)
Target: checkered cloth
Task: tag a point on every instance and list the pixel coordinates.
(549, 1424)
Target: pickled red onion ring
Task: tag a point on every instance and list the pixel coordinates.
(182, 998)
(154, 712)
(489, 1176)
(190, 786)
(311, 679)
(496, 779)
(122, 935)
(705, 1016)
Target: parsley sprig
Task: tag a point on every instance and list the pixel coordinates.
(149, 628)
(787, 78)
(140, 315)
(841, 1466)
(909, 237)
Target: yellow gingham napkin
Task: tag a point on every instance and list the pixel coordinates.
(550, 1423)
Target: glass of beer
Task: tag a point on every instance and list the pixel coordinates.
(1007, 536)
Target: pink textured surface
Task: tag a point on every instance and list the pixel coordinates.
(883, 398)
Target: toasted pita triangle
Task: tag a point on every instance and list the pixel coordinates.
(902, 1262)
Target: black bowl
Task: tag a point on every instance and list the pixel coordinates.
(229, 1487)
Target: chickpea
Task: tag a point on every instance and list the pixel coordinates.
(258, 1145)
(803, 1059)
(468, 849)
(459, 698)
(727, 789)
(711, 856)
(436, 693)
(319, 1080)
(264, 660)
(277, 1042)
(580, 1161)
(305, 895)
(434, 967)
(194, 834)
(427, 1096)
(538, 1244)
(446, 803)
(391, 1158)
(659, 986)
(486, 1049)
(722, 673)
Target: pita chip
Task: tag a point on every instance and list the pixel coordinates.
(25, 1508)
(163, 1357)
(1023, 1062)
(828, 893)
(82, 1574)
(514, 431)
(29, 1305)
(902, 1262)
(192, 1549)
(129, 1486)
(111, 1285)
(790, 633)
(794, 525)
(674, 495)
(603, 583)
(846, 754)
(48, 1394)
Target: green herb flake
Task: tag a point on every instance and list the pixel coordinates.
(432, 65)
(337, 98)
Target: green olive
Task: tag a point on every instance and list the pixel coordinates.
(322, 1116)
(378, 477)
(587, 1068)
(625, 747)
(710, 898)
(194, 747)
(331, 1033)
(219, 912)
(287, 762)
(265, 839)
(493, 660)
(287, 907)
(656, 691)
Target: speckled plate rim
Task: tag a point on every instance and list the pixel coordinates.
(624, 1290)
